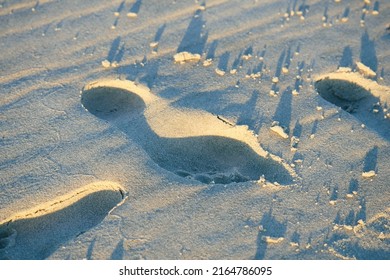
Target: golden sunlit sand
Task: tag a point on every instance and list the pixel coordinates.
(216, 129)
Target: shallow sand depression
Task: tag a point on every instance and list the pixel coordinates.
(213, 129)
(211, 152)
(38, 232)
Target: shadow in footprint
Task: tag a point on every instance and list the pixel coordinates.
(7, 239)
(356, 100)
(38, 233)
(208, 159)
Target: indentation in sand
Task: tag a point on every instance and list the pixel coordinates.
(364, 98)
(192, 144)
(37, 232)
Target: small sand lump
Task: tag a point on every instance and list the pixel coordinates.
(184, 57)
(369, 174)
(279, 130)
(365, 70)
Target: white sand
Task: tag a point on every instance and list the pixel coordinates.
(194, 130)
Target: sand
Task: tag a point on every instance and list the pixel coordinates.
(194, 129)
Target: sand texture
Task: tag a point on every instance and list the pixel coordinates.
(134, 129)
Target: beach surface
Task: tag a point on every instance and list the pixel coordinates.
(214, 129)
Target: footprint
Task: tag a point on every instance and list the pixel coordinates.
(189, 143)
(38, 232)
(363, 98)
(7, 238)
